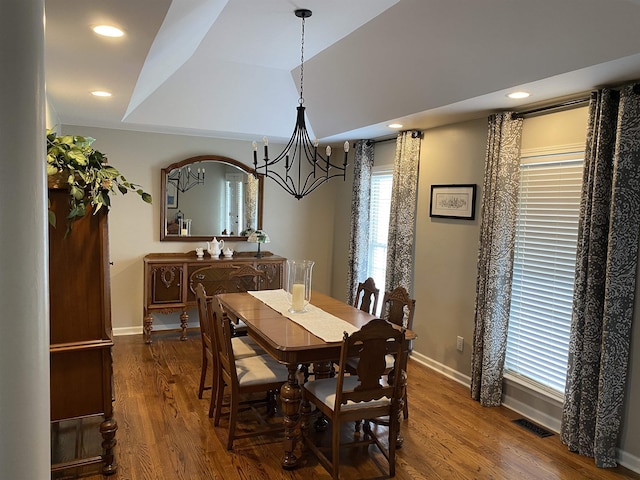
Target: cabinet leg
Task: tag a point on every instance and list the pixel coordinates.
(108, 430)
(184, 318)
(147, 326)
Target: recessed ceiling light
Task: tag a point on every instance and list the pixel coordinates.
(100, 93)
(395, 125)
(516, 95)
(108, 31)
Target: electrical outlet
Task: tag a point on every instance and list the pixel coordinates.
(460, 344)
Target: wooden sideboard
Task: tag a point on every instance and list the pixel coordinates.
(170, 280)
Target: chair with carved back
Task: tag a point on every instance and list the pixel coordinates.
(246, 278)
(399, 308)
(243, 346)
(243, 376)
(369, 393)
(367, 294)
(206, 336)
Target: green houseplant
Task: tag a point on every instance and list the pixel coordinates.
(72, 161)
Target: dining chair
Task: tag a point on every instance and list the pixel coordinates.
(369, 393)
(243, 346)
(399, 308)
(243, 376)
(367, 294)
(206, 337)
(246, 278)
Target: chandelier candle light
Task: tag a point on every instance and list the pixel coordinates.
(305, 169)
(184, 179)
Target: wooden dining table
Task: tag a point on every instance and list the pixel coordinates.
(293, 345)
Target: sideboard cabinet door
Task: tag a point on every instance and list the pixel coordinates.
(166, 284)
(170, 280)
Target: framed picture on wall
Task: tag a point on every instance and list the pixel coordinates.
(172, 195)
(453, 201)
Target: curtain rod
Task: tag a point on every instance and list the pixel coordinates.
(390, 139)
(556, 106)
(414, 134)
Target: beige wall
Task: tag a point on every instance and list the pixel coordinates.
(446, 259)
(317, 227)
(561, 128)
(297, 228)
(447, 249)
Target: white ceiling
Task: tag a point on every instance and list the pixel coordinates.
(230, 68)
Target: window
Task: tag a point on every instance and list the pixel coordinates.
(379, 212)
(234, 195)
(544, 267)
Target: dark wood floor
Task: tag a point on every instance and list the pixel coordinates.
(164, 432)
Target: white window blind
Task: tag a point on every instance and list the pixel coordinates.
(235, 204)
(544, 267)
(379, 212)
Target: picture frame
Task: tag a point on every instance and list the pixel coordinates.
(453, 201)
(172, 195)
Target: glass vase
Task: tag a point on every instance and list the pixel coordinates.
(299, 284)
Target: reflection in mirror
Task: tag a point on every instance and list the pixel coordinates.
(209, 196)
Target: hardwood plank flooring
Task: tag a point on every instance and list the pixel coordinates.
(164, 432)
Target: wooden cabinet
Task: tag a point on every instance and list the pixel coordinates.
(80, 339)
(170, 280)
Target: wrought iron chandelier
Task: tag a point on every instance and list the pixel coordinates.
(304, 168)
(184, 179)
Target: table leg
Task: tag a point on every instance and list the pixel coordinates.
(184, 318)
(290, 396)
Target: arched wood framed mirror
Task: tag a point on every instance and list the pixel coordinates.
(209, 196)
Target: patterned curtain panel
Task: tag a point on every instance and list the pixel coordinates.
(495, 257)
(605, 277)
(251, 203)
(403, 212)
(359, 238)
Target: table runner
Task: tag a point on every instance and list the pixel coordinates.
(320, 323)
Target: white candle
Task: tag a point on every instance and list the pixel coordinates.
(297, 297)
(184, 232)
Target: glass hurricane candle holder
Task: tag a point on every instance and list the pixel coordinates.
(299, 284)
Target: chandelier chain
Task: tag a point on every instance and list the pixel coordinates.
(301, 101)
(305, 168)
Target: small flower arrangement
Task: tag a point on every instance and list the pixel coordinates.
(72, 161)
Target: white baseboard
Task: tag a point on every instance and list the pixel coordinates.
(441, 368)
(121, 331)
(538, 416)
(629, 461)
